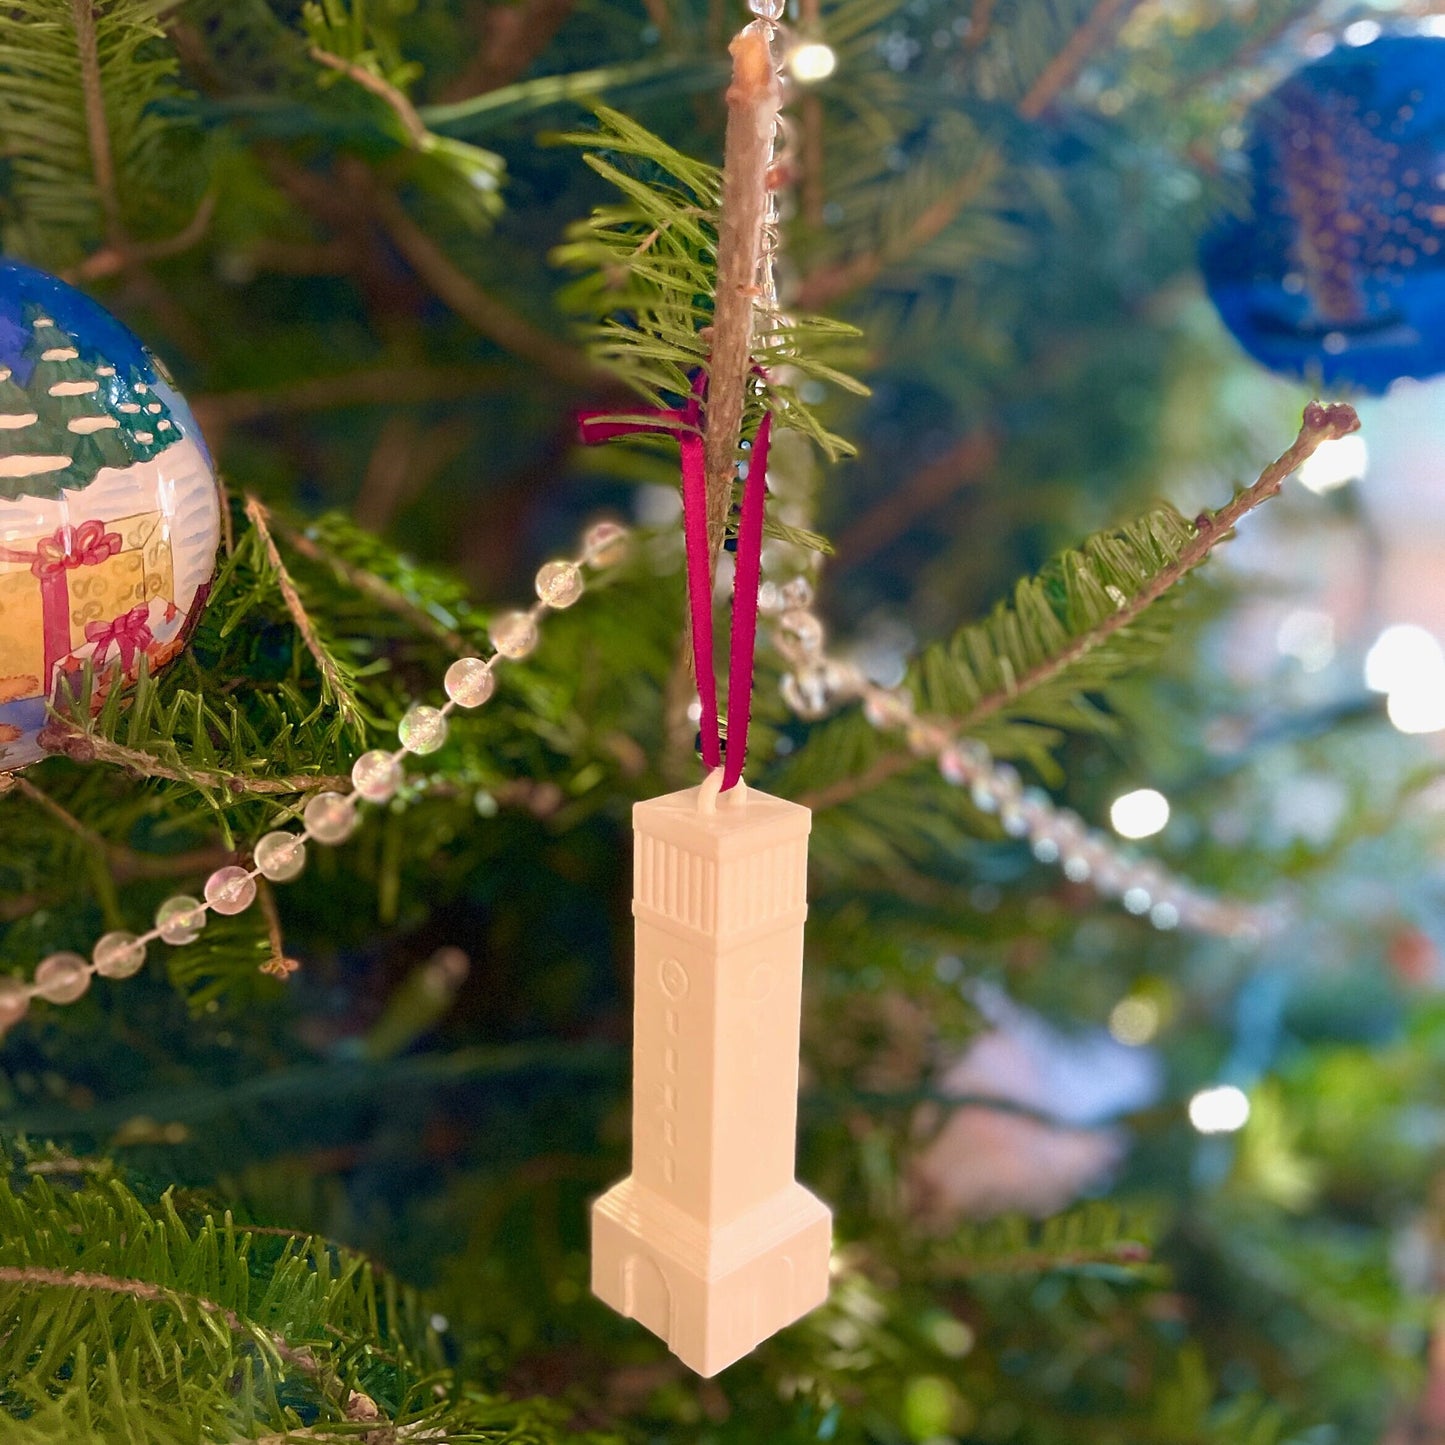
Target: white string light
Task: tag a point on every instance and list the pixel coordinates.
(328, 818)
(811, 61)
(1222, 1109)
(1139, 814)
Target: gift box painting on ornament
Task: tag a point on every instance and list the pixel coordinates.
(109, 509)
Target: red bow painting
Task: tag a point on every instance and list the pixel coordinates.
(130, 633)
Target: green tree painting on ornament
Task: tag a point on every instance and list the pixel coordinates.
(1120, 1021)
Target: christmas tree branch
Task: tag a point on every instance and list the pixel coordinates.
(831, 282)
(1035, 652)
(496, 321)
(1102, 22)
(512, 37)
(372, 386)
(929, 487)
(754, 99)
(1090, 1236)
(1122, 1252)
(124, 864)
(821, 288)
(379, 86)
(68, 820)
(40, 1277)
(374, 587)
(845, 789)
(110, 260)
(1321, 423)
(97, 127)
(338, 690)
(85, 747)
(125, 867)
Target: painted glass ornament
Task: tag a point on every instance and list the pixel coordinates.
(1337, 270)
(109, 511)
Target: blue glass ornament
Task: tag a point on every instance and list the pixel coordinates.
(109, 509)
(1337, 272)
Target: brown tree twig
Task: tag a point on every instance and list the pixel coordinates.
(1321, 423)
(825, 285)
(933, 484)
(84, 747)
(97, 128)
(110, 260)
(346, 701)
(496, 321)
(399, 103)
(810, 116)
(754, 99)
(1121, 1251)
(811, 194)
(1102, 22)
(379, 386)
(658, 13)
(40, 1277)
(125, 864)
(373, 587)
(290, 257)
(407, 457)
(846, 789)
(512, 37)
(44, 801)
(980, 23)
(278, 965)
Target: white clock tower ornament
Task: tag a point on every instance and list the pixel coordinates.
(710, 1242)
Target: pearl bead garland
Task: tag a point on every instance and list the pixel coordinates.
(280, 857)
(62, 978)
(328, 818)
(817, 684)
(230, 890)
(180, 919)
(424, 729)
(118, 955)
(514, 634)
(470, 682)
(376, 776)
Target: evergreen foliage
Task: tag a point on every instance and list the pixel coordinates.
(388, 290)
(59, 199)
(132, 1319)
(650, 268)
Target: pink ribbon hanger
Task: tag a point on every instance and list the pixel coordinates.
(686, 426)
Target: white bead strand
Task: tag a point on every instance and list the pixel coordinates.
(423, 730)
(818, 684)
(470, 682)
(280, 856)
(328, 817)
(230, 890)
(118, 955)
